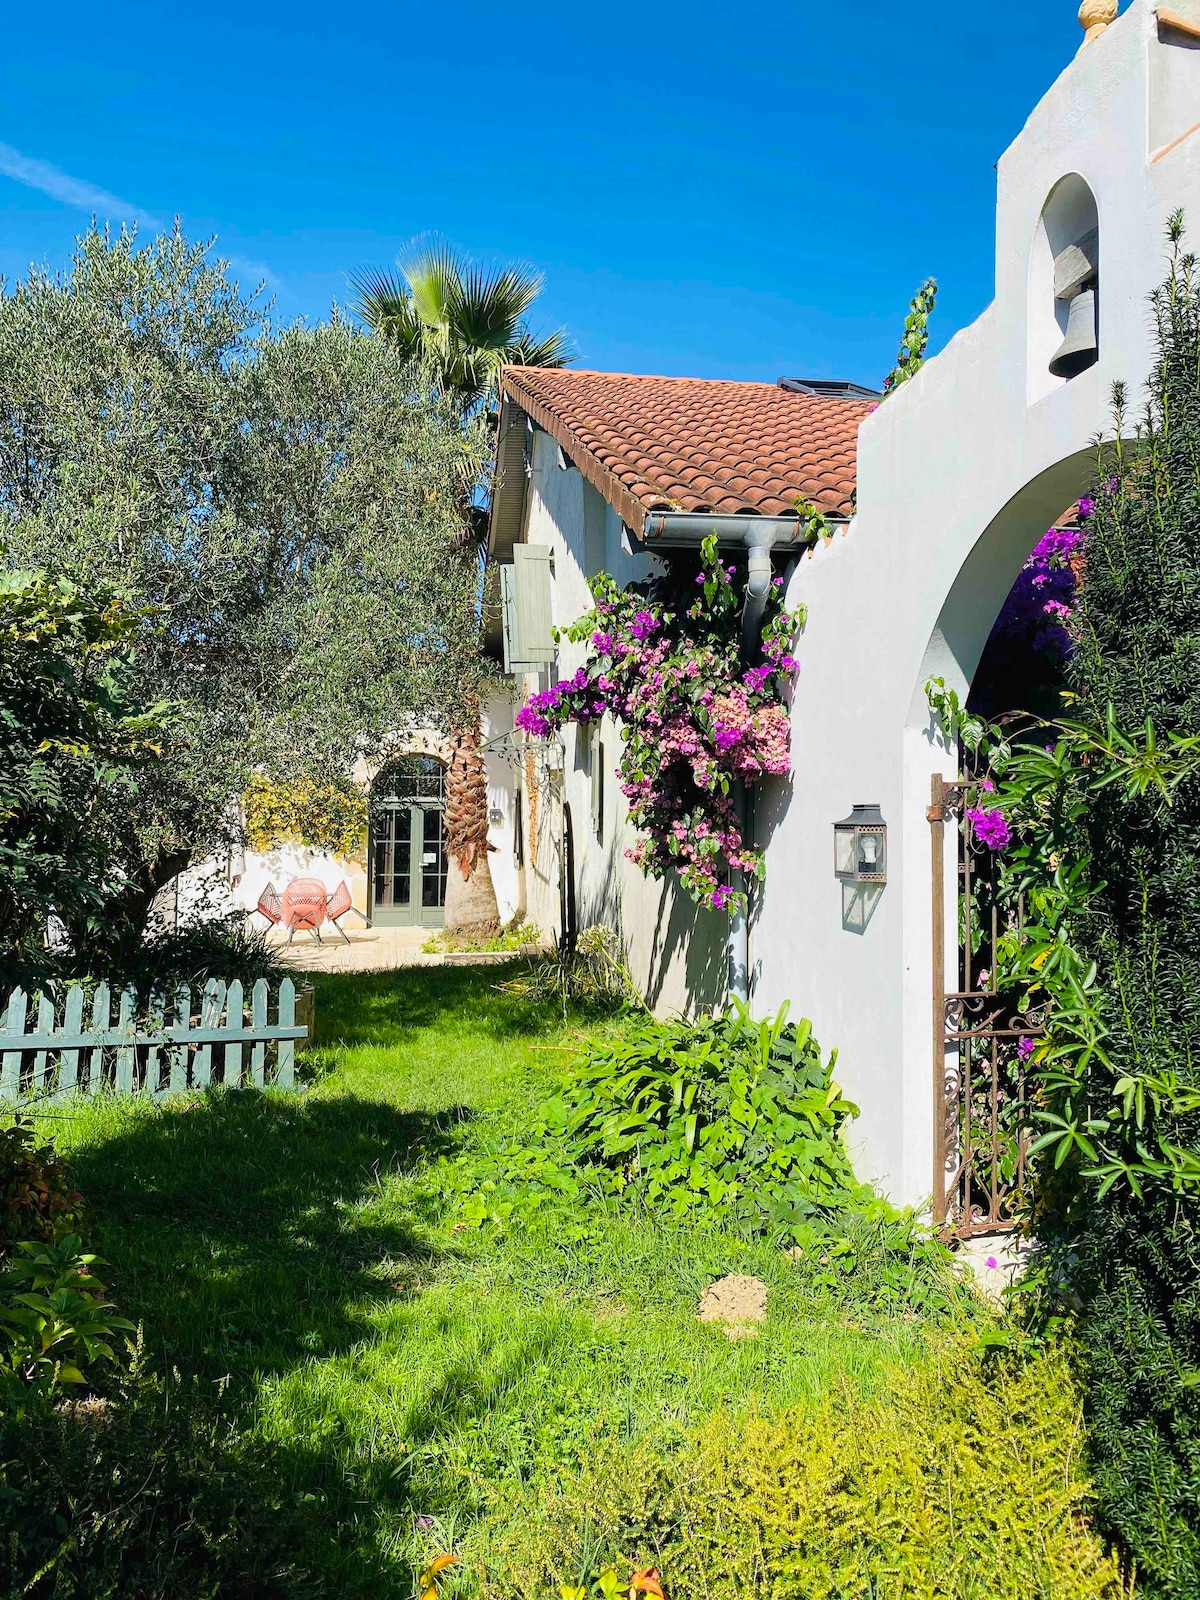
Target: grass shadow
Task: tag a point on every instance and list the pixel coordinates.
(252, 1231)
(385, 1008)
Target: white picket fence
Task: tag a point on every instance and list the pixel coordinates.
(171, 1044)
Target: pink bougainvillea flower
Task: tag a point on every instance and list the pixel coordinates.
(990, 827)
(993, 1263)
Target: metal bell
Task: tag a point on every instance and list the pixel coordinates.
(1079, 350)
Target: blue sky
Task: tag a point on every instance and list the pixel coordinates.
(738, 190)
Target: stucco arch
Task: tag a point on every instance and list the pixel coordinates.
(988, 571)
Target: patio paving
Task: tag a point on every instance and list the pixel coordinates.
(371, 950)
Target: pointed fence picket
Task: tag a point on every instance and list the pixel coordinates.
(156, 1049)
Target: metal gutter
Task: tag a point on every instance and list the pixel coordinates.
(679, 529)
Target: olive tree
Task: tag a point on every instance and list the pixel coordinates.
(286, 504)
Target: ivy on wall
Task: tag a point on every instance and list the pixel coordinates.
(323, 816)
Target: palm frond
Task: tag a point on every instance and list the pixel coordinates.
(490, 306)
(464, 322)
(386, 307)
(555, 350)
(434, 280)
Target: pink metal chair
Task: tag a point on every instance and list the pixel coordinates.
(339, 904)
(304, 906)
(269, 904)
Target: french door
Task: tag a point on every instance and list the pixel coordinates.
(408, 844)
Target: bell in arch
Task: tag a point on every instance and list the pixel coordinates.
(1079, 350)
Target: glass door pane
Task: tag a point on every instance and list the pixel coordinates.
(408, 853)
(433, 859)
(402, 859)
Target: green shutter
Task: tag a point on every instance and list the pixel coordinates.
(534, 608)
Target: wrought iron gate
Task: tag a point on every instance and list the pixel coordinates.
(982, 1040)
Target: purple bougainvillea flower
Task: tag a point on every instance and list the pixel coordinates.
(993, 1263)
(1086, 506)
(1025, 1048)
(988, 786)
(423, 1522)
(990, 828)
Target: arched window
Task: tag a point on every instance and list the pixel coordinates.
(408, 844)
(1064, 281)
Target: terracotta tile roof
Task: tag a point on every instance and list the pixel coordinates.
(693, 444)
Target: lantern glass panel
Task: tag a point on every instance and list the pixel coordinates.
(844, 852)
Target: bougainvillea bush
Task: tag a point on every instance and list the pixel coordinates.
(1025, 660)
(696, 719)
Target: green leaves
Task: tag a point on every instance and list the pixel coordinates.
(915, 340)
(724, 1119)
(463, 322)
(54, 1321)
(73, 737)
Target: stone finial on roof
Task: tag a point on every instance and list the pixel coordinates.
(1096, 15)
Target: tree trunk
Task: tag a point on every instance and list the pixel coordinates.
(126, 916)
(470, 894)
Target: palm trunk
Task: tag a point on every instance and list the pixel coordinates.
(470, 894)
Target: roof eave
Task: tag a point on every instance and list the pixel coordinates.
(626, 504)
(510, 484)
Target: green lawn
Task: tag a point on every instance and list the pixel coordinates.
(404, 1367)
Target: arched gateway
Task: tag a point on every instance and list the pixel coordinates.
(959, 476)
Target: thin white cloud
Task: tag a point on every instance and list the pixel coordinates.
(70, 191)
(255, 272)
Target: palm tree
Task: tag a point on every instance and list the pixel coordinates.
(465, 324)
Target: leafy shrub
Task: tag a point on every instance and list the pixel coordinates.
(724, 1122)
(227, 948)
(1099, 822)
(38, 1197)
(72, 735)
(594, 974)
(963, 1483)
(54, 1320)
(722, 1119)
(152, 1493)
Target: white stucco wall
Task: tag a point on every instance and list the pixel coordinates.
(959, 475)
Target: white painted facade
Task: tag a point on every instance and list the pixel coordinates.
(959, 475)
(220, 887)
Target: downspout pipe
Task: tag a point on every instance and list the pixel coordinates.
(759, 543)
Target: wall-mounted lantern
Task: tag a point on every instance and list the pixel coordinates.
(860, 846)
